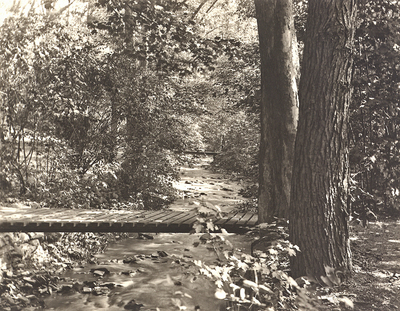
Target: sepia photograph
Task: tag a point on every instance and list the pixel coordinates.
(199, 155)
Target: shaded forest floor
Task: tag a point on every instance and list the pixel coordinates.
(376, 261)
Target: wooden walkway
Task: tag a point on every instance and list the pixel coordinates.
(75, 220)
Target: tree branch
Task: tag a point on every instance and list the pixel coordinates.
(198, 8)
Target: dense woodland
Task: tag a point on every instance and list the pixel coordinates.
(100, 99)
(84, 105)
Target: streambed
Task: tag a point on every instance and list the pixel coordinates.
(156, 273)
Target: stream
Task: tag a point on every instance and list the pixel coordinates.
(155, 272)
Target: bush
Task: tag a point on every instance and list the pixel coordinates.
(252, 282)
(239, 152)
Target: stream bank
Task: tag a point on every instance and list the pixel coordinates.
(146, 272)
(31, 264)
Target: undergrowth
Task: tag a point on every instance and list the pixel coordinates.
(261, 280)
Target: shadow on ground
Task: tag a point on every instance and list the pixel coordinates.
(376, 261)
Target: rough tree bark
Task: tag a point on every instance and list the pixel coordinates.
(279, 105)
(318, 221)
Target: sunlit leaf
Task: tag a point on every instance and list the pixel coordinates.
(220, 293)
(249, 283)
(347, 302)
(242, 294)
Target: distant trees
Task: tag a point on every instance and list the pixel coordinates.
(56, 116)
(82, 99)
(98, 103)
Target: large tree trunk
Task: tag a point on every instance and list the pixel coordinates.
(318, 209)
(279, 105)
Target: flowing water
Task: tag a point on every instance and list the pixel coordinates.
(151, 280)
(157, 273)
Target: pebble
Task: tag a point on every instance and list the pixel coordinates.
(154, 255)
(100, 290)
(66, 288)
(86, 290)
(132, 305)
(23, 299)
(162, 253)
(8, 273)
(109, 285)
(100, 271)
(129, 260)
(143, 236)
(29, 280)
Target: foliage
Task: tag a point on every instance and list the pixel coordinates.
(374, 121)
(79, 103)
(235, 132)
(162, 35)
(260, 279)
(254, 282)
(240, 147)
(97, 88)
(31, 263)
(54, 114)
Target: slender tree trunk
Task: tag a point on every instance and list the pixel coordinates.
(319, 210)
(279, 105)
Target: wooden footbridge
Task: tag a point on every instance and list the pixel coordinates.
(14, 219)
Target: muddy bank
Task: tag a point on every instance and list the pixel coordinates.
(31, 264)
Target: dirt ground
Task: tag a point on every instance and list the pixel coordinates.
(376, 261)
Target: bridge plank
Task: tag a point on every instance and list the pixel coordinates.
(21, 215)
(183, 224)
(178, 218)
(76, 220)
(222, 221)
(246, 218)
(126, 218)
(105, 217)
(150, 217)
(252, 221)
(190, 220)
(235, 219)
(165, 216)
(37, 217)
